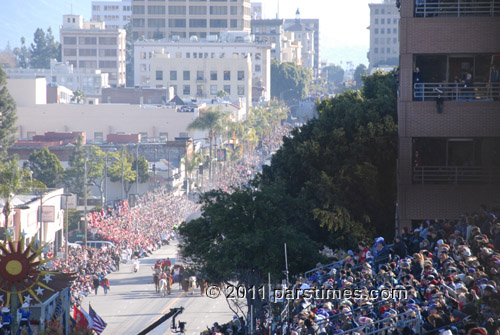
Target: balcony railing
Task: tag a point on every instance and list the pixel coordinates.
(455, 175)
(456, 8)
(456, 91)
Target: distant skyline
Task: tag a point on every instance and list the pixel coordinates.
(343, 24)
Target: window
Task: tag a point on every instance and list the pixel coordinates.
(107, 64)
(382, 30)
(173, 75)
(213, 75)
(96, 7)
(198, 10)
(227, 89)
(186, 75)
(200, 90)
(382, 21)
(200, 75)
(376, 40)
(159, 75)
(394, 31)
(89, 64)
(144, 68)
(69, 40)
(158, 10)
(376, 11)
(234, 10)
(177, 23)
(107, 41)
(138, 23)
(69, 52)
(376, 31)
(186, 90)
(218, 10)
(87, 52)
(197, 23)
(233, 23)
(241, 75)
(394, 40)
(98, 136)
(227, 75)
(388, 50)
(394, 20)
(156, 23)
(88, 40)
(376, 21)
(138, 10)
(382, 11)
(177, 10)
(375, 50)
(143, 55)
(257, 68)
(241, 90)
(218, 23)
(213, 89)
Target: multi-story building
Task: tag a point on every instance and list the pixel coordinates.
(384, 37)
(204, 77)
(291, 50)
(271, 32)
(307, 32)
(116, 14)
(448, 109)
(90, 81)
(256, 10)
(89, 45)
(181, 19)
(189, 51)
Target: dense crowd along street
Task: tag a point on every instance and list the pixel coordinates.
(137, 232)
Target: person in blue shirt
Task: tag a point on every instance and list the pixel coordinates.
(24, 319)
(6, 321)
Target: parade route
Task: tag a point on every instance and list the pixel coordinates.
(132, 303)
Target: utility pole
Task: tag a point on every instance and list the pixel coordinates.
(123, 149)
(85, 191)
(137, 170)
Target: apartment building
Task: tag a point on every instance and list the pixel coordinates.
(90, 81)
(448, 109)
(256, 10)
(182, 19)
(116, 14)
(89, 45)
(204, 77)
(307, 32)
(269, 31)
(384, 37)
(190, 50)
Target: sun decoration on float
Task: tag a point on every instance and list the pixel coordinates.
(20, 271)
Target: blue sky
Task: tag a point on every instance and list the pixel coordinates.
(343, 23)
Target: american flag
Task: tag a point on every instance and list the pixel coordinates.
(99, 323)
(58, 311)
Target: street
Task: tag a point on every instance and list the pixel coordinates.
(132, 303)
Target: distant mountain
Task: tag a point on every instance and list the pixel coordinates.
(22, 18)
(355, 54)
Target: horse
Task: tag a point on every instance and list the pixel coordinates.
(156, 281)
(164, 287)
(192, 283)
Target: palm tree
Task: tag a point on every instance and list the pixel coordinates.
(190, 164)
(13, 180)
(212, 121)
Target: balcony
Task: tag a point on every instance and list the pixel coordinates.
(459, 175)
(456, 91)
(456, 8)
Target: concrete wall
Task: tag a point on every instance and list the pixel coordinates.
(28, 92)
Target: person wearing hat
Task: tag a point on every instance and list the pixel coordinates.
(6, 321)
(24, 319)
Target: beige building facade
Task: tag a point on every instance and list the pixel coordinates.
(384, 34)
(89, 45)
(204, 52)
(204, 78)
(183, 19)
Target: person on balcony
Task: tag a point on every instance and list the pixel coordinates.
(468, 86)
(417, 84)
(417, 160)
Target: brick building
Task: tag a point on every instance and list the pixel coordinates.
(449, 111)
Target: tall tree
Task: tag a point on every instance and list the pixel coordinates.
(333, 74)
(211, 120)
(13, 180)
(22, 54)
(46, 167)
(8, 116)
(240, 238)
(359, 73)
(74, 174)
(341, 166)
(43, 49)
(289, 81)
(129, 58)
(123, 163)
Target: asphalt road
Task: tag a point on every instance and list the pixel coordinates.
(132, 303)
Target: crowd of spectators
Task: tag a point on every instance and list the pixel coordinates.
(137, 232)
(447, 271)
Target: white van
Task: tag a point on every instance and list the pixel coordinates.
(97, 244)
